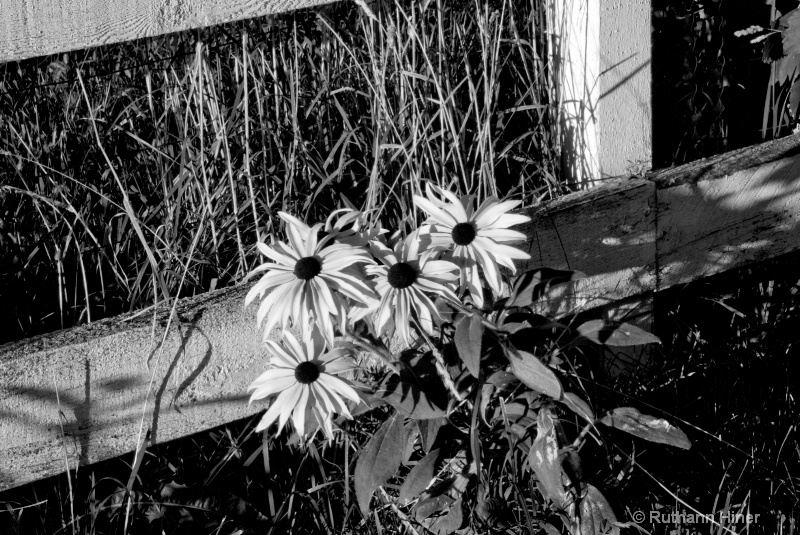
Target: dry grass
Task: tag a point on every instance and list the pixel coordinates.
(203, 136)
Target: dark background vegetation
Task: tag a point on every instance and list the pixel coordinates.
(323, 96)
(710, 87)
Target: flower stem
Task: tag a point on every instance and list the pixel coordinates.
(438, 360)
(368, 347)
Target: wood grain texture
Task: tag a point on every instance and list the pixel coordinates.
(716, 225)
(722, 165)
(607, 233)
(630, 237)
(30, 28)
(624, 110)
(101, 380)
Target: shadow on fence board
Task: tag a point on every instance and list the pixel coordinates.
(95, 391)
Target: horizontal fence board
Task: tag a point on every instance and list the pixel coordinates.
(99, 376)
(608, 234)
(30, 28)
(630, 237)
(748, 217)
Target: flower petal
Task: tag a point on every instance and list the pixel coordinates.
(435, 213)
(502, 235)
(299, 414)
(339, 386)
(271, 381)
(280, 257)
(267, 282)
(288, 404)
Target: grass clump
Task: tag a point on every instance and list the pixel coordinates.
(211, 132)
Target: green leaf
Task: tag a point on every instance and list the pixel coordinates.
(428, 429)
(501, 380)
(441, 496)
(412, 432)
(449, 523)
(447, 312)
(791, 33)
(469, 335)
(417, 391)
(616, 334)
(649, 428)
(533, 284)
(545, 460)
(431, 504)
(520, 417)
(578, 406)
(531, 371)
(572, 466)
(419, 477)
(597, 517)
(379, 460)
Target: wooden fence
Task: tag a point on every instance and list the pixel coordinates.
(600, 52)
(30, 28)
(90, 393)
(114, 378)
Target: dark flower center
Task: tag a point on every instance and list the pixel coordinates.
(463, 233)
(401, 275)
(307, 268)
(306, 372)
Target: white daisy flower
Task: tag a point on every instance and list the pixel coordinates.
(308, 280)
(304, 377)
(404, 281)
(347, 226)
(474, 238)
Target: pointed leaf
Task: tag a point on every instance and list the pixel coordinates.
(787, 68)
(501, 379)
(469, 335)
(434, 501)
(441, 495)
(417, 391)
(449, 523)
(408, 398)
(616, 334)
(412, 432)
(791, 33)
(545, 460)
(419, 477)
(447, 313)
(647, 427)
(533, 284)
(578, 406)
(379, 460)
(519, 418)
(428, 430)
(572, 466)
(531, 371)
(597, 517)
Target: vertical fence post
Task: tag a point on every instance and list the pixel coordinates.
(574, 57)
(600, 53)
(625, 108)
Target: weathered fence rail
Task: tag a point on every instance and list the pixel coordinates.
(30, 28)
(86, 394)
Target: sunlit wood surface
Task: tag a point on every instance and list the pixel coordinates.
(86, 394)
(30, 28)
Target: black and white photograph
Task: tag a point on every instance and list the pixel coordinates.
(413, 267)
